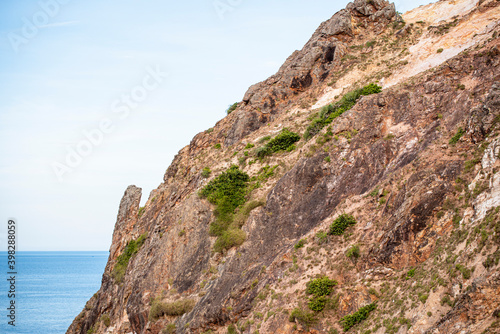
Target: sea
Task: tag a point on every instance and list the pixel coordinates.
(51, 289)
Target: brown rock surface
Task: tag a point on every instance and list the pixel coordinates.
(416, 165)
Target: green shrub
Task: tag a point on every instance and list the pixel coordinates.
(227, 191)
(470, 164)
(231, 329)
(466, 272)
(262, 152)
(206, 172)
(457, 136)
(410, 273)
(317, 304)
(249, 146)
(304, 317)
(423, 297)
(300, 244)
(353, 252)
(340, 224)
(322, 237)
(141, 211)
(122, 261)
(242, 215)
(351, 320)
(264, 139)
(179, 307)
(232, 108)
(232, 237)
(106, 320)
(218, 146)
(282, 142)
(332, 111)
(439, 50)
(370, 43)
(169, 329)
(321, 286)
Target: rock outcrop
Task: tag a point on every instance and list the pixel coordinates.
(415, 165)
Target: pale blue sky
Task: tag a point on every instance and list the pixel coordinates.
(66, 75)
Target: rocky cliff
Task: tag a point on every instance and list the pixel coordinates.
(356, 190)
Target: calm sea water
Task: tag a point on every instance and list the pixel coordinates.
(52, 289)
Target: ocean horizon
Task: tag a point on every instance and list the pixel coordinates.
(51, 289)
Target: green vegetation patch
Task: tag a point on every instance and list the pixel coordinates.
(332, 111)
(228, 192)
(232, 108)
(353, 252)
(106, 319)
(122, 261)
(282, 142)
(457, 136)
(304, 317)
(340, 224)
(320, 288)
(206, 172)
(351, 320)
(169, 329)
(179, 307)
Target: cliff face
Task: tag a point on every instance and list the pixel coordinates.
(415, 165)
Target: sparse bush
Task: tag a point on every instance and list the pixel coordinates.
(141, 211)
(231, 329)
(249, 146)
(317, 304)
(242, 215)
(332, 111)
(351, 320)
(466, 272)
(206, 172)
(340, 224)
(232, 237)
(281, 142)
(321, 286)
(423, 297)
(300, 244)
(179, 307)
(264, 139)
(457, 136)
(232, 108)
(106, 320)
(439, 50)
(169, 329)
(122, 261)
(227, 191)
(353, 252)
(304, 317)
(262, 152)
(410, 273)
(322, 237)
(218, 146)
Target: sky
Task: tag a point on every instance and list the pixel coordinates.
(99, 95)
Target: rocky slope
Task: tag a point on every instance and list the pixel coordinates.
(412, 169)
